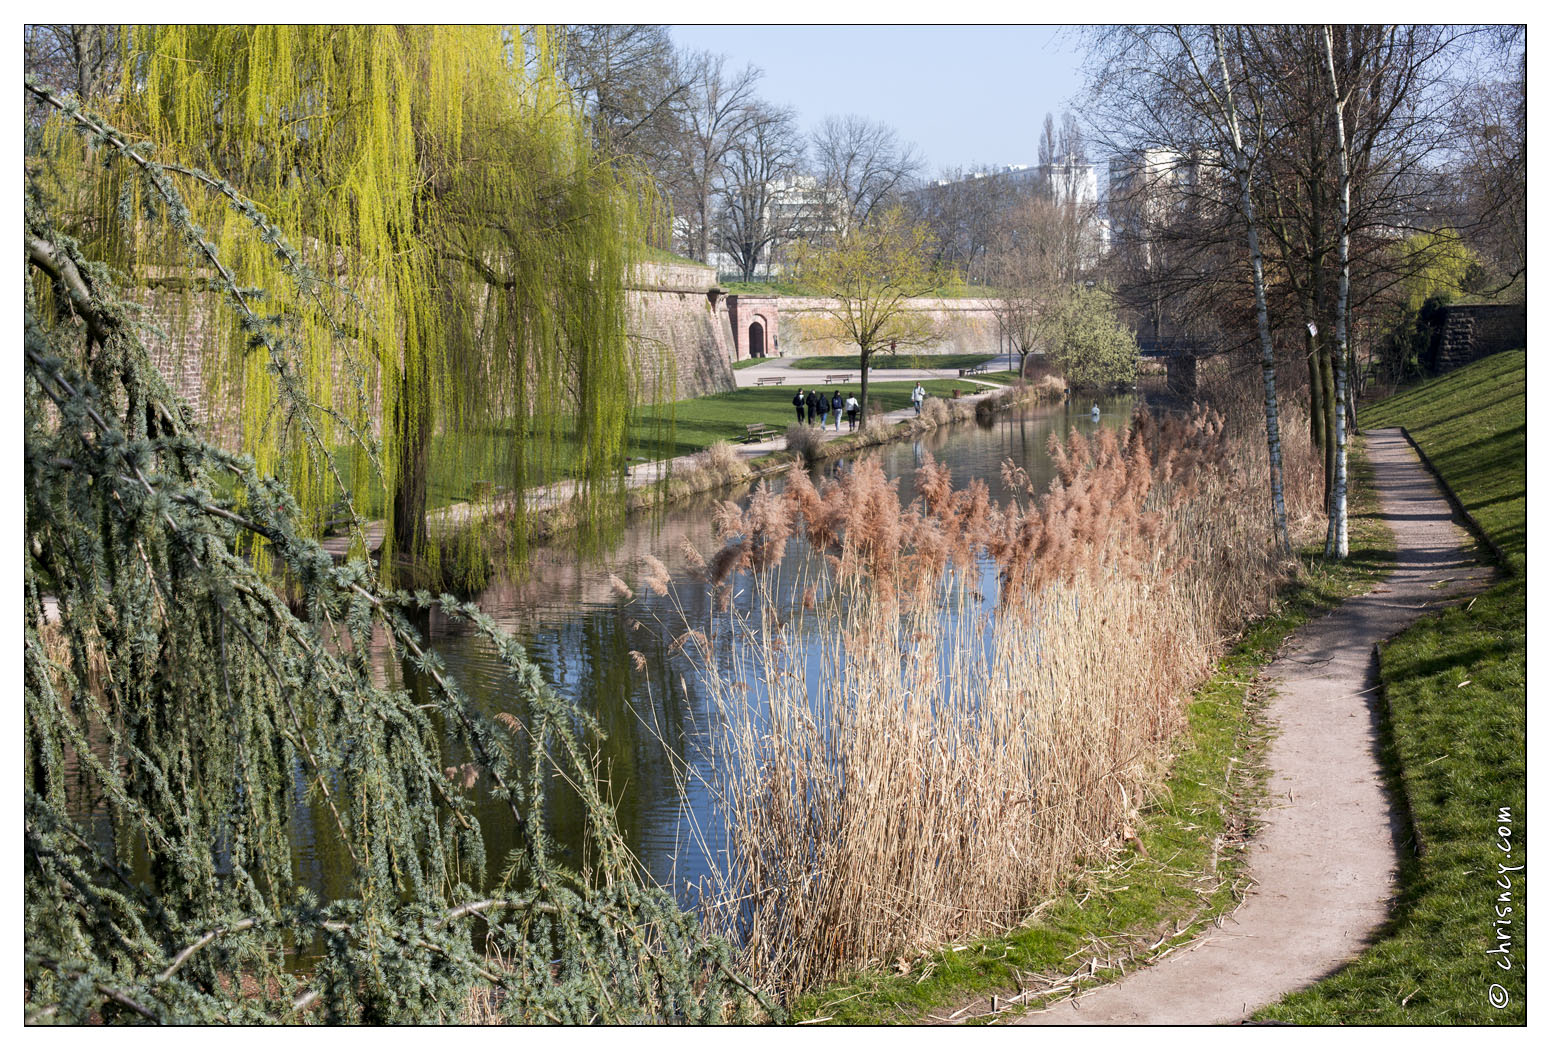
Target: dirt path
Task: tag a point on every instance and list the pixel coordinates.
(1323, 863)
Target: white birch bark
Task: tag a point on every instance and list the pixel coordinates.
(1267, 356)
(1336, 537)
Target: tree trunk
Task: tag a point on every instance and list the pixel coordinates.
(412, 418)
(1351, 384)
(1262, 322)
(1316, 388)
(1330, 411)
(1336, 538)
(866, 359)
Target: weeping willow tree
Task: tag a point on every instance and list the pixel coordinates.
(180, 715)
(463, 315)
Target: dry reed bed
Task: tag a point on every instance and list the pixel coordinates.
(972, 699)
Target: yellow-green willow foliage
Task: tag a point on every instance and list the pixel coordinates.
(469, 249)
(184, 724)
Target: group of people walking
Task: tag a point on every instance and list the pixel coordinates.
(816, 405)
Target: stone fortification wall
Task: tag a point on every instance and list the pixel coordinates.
(1465, 333)
(680, 335)
(796, 323)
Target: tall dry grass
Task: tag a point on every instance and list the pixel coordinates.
(971, 699)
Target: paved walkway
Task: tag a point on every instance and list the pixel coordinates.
(1323, 863)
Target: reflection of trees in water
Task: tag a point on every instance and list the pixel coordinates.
(655, 718)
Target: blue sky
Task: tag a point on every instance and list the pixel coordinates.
(963, 94)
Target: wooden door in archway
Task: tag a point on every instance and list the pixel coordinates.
(756, 339)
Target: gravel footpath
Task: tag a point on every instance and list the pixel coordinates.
(1324, 860)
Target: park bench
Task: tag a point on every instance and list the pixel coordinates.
(765, 381)
(838, 377)
(337, 517)
(756, 432)
(974, 370)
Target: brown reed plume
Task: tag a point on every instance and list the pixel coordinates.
(971, 700)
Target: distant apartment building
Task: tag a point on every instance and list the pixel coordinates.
(1065, 181)
(796, 209)
(1152, 186)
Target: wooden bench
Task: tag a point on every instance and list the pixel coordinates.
(766, 381)
(757, 432)
(838, 377)
(337, 517)
(974, 370)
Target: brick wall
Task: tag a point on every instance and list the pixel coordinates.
(966, 326)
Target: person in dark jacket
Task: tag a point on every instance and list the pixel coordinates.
(823, 410)
(836, 403)
(813, 406)
(800, 403)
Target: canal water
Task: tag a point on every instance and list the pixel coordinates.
(657, 720)
(657, 753)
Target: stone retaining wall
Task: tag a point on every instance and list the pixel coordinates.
(680, 339)
(680, 332)
(1463, 334)
(967, 326)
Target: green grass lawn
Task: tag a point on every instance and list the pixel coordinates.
(699, 422)
(1193, 832)
(656, 432)
(1455, 745)
(882, 362)
(653, 254)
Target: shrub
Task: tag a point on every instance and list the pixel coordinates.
(804, 441)
(1091, 346)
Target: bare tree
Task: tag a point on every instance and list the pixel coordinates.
(1336, 540)
(721, 108)
(79, 60)
(862, 166)
(1177, 95)
(964, 209)
(1049, 149)
(82, 60)
(632, 84)
(1038, 257)
(762, 201)
(1491, 123)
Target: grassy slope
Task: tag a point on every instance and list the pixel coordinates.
(1140, 905)
(797, 288)
(1455, 687)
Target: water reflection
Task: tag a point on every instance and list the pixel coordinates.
(656, 755)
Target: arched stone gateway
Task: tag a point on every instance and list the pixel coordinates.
(755, 322)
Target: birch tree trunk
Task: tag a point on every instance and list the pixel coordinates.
(1336, 537)
(1262, 323)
